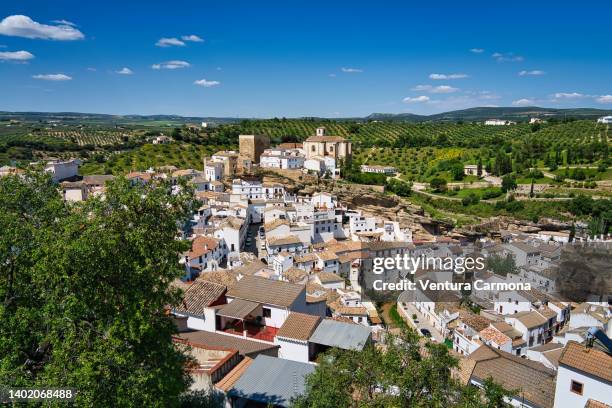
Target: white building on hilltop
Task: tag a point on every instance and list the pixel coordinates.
(499, 122)
(280, 158)
(62, 170)
(605, 119)
(323, 153)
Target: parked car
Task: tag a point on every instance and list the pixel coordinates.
(425, 332)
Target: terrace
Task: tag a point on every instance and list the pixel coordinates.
(244, 318)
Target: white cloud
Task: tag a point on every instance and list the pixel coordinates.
(416, 99)
(169, 42)
(24, 26)
(64, 22)
(507, 57)
(477, 50)
(52, 77)
(192, 38)
(435, 89)
(125, 71)
(447, 76)
(352, 70)
(604, 99)
(523, 102)
(92, 69)
(568, 95)
(535, 72)
(206, 83)
(16, 56)
(332, 75)
(443, 89)
(171, 65)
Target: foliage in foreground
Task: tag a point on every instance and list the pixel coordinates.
(403, 373)
(83, 289)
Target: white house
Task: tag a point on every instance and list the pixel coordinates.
(281, 158)
(233, 231)
(465, 335)
(197, 305)
(584, 377)
(588, 315)
(293, 336)
(362, 224)
(213, 170)
(498, 122)
(372, 168)
(605, 119)
(207, 253)
(536, 326)
(62, 170)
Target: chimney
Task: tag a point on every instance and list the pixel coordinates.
(321, 131)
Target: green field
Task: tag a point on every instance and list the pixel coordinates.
(149, 155)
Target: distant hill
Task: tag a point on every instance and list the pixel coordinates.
(468, 115)
(397, 117)
(514, 113)
(102, 118)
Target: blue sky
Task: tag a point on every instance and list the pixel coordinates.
(302, 58)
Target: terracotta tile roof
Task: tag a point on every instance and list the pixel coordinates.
(226, 278)
(298, 326)
(588, 360)
(287, 240)
(325, 244)
(275, 224)
(294, 275)
(329, 139)
(476, 322)
(534, 381)
(232, 222)
(329, 277)
(262, 290)
(309, 257)
(201, 245)
(491, 334)
(327, 256)
(382, 245)
(350, 310)
(230, 378)
(244, 346)
(547, 312)
(530, 319)
(591, 403)
(200, 295)
(250, 268)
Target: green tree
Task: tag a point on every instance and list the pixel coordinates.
(438, 184)
(508, 183)
(501, 265)
(84, 290)
(403, 373)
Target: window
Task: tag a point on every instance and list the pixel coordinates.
(577, 387)
(266, 312)
(313, 148)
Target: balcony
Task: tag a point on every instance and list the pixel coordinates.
(251, 330)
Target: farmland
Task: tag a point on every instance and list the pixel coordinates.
(179, 155)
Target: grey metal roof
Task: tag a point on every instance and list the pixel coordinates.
(343, 335)
(272, 380)
(238, 309)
